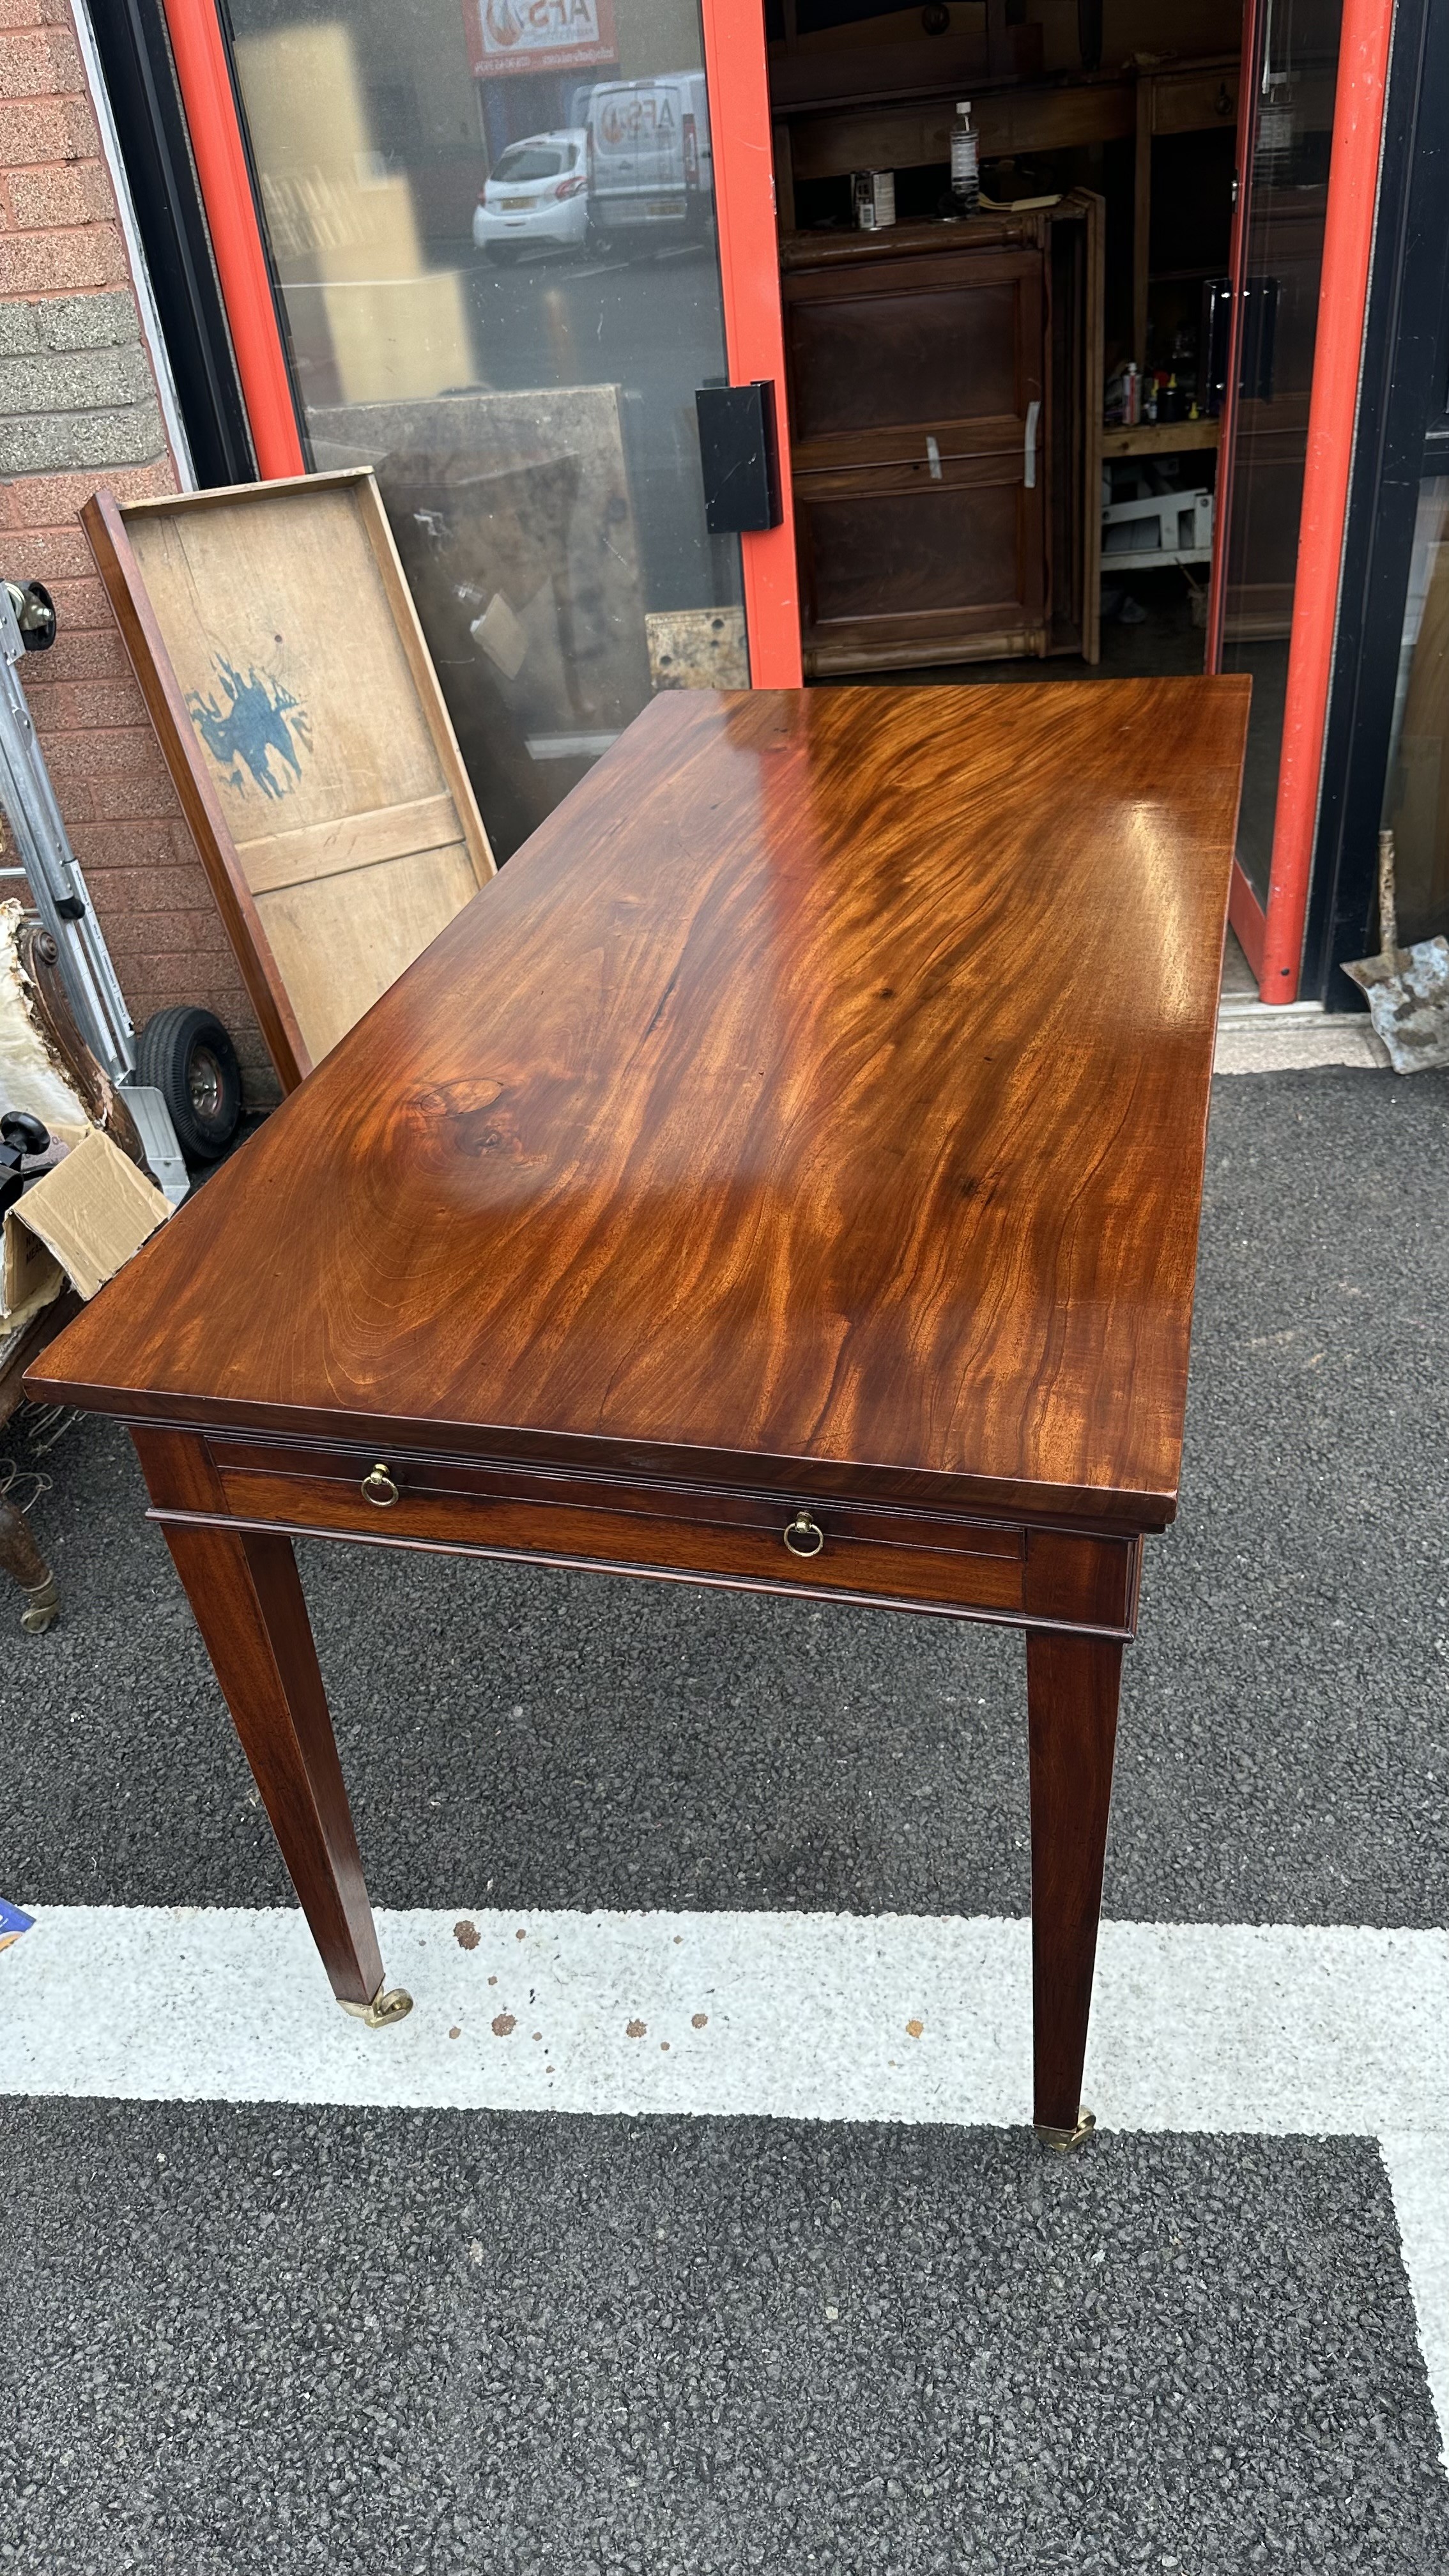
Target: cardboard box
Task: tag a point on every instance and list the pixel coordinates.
(79, 1222)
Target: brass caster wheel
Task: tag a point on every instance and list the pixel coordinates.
(1062, 2141)
(389, 2004)
(42, 1608)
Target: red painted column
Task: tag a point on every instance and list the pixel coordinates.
(749, 256)
(204, 75)
(1353, 177)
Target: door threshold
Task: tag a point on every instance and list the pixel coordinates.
(1293, 1037)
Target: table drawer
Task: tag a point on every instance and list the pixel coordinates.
(735, 1537)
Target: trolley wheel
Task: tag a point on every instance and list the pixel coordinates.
(186, 1055)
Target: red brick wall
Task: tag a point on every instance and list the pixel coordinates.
(77, 408)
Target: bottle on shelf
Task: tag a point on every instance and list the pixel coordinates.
(965, 160)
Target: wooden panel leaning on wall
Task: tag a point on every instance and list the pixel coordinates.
(280, 655)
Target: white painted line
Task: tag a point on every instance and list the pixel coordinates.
(1228, 2028)
(1418, 2166)
(1215, 2027)
(1273, 2029)
(798, 2015)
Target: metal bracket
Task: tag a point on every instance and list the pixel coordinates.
(158, 1139)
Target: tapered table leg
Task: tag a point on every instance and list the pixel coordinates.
(1072, 1685)
(247, 1601)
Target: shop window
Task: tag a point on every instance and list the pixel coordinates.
(493, 230)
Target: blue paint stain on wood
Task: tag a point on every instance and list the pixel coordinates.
(254, 728)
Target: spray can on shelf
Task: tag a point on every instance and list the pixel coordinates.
(965, 160)
(874, 192)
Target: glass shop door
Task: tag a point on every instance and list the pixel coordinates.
(492, 227)
(1261, 341)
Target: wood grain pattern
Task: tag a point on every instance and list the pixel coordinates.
(818, 1102)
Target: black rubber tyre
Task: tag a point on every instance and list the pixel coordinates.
(186, 1055)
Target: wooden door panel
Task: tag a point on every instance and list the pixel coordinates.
(923, 565)
(918, 446)
(959, 348)
(916, 452)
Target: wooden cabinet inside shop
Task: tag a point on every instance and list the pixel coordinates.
(945, 408)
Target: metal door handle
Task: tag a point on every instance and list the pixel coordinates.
(1033, 415)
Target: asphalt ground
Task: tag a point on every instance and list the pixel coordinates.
(271, 2340)
(245, 2338)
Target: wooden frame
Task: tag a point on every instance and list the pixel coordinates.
(243, 875)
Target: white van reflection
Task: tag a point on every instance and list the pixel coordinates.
(650, 164)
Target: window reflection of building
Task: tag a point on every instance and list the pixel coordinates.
(1416, 796)
(370, 320)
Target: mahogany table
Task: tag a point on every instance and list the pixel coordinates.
(785, 1175)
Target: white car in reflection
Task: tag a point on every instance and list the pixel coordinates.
(538, 196)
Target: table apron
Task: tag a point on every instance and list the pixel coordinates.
(1015, 1574)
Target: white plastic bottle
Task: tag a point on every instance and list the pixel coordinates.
(965, 160)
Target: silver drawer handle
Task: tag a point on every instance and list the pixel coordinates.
(804, 1537)
(1033, 415)
(380, 1487)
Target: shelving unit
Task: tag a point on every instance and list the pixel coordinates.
(1161, 438)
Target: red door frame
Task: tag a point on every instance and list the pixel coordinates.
(203, 75)
(737, 70)
(749, 257)
(1348, 232)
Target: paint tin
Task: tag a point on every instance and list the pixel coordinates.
(874, 193)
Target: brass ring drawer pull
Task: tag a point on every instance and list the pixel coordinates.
(380, 1487)
(804, 1537)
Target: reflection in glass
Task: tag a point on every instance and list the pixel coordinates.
(1416, 794)
(1287, 202)
(492, 224)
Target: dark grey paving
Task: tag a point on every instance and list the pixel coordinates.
(247, 2342)
(568, 1739)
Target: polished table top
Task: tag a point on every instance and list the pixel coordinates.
(819, 1098)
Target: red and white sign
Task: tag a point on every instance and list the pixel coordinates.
(538, 35)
